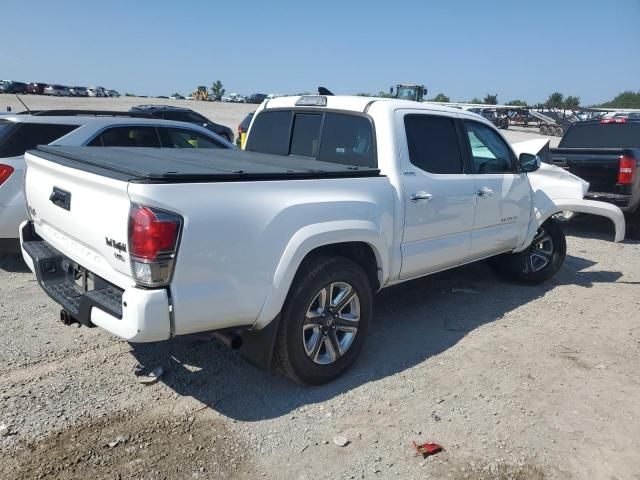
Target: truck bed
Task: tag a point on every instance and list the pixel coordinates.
(169, 165)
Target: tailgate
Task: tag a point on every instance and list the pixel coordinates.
(599, 168)
(83, 215)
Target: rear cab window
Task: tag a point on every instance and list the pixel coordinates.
(342, 138)
(25, 136)
(602, 135)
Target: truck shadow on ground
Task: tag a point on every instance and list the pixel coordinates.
(13, 263)
(412, 322)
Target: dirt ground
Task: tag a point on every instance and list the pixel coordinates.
(514, 382)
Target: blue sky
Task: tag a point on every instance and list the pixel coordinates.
(467, 48)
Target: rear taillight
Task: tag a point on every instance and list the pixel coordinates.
(613, 120)
(627, 170)
(153, 244)
(5, 172)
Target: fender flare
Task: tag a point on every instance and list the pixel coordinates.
(308, 239)
(550, 207)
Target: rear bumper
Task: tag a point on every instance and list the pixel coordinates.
(619, 200)
(135, 314)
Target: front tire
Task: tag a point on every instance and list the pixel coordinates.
(324, 321)
(540, 261)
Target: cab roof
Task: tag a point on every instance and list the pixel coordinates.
(356, 103)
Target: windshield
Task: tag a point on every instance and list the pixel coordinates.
(406, 93)
(598, 135)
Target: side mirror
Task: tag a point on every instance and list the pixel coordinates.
(529, 162)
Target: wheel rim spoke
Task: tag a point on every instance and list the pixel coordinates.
(331, 323)
(540, 252)
(335, 346)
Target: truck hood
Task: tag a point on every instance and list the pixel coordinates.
(555, 190)
(557, 182)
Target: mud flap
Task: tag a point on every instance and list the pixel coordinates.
(258, 345)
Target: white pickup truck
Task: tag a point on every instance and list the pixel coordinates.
(281, 247)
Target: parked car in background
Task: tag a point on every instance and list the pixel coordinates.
(113, 93)
(78, 91)
(57, 91)
(281, 248)
(243, 128)
(21, 132)
(257, 98)
(96, 92)
(9, 86)
(35, 88)
(234, 98)
(180, 114)
(605, 153)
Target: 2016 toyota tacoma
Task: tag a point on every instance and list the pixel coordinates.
(281, 247)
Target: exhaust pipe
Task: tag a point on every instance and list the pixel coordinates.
(230, 339)
(67, 319)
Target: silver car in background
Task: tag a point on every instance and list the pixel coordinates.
(57, 91)
(78, 91)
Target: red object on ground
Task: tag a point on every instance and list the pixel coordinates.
(427, 449)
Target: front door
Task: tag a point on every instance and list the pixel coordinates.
(503, 207)
(439, 197)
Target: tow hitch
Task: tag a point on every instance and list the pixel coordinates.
(67, 319)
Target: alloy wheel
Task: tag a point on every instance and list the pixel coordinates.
(331, 323)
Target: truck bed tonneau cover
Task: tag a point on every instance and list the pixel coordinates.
(179, 165)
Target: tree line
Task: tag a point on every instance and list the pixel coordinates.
(556, 100)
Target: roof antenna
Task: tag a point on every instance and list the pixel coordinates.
(25, 106)
(324, 91)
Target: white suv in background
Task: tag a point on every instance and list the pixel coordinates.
(22, 132)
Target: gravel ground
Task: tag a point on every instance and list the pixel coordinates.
(514, 382)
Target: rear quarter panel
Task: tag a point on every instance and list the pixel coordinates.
(242, 241)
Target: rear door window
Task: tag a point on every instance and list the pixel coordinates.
(130, 136)
(305, 139)
(433, 144)
(270, 133)
(347, 140)
(29, 135)
(186, 138)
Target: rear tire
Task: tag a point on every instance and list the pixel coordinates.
(559, 131)
(324, 321)
(540, 261)
(543, 130)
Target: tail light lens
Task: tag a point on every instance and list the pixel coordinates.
(627, 170)
(614, 120)
(153, 244)
(5, 172)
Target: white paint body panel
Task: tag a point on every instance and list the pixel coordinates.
(242, 242)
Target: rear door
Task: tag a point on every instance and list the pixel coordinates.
(439, 196)
(503, 207)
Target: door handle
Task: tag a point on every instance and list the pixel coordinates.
(485, 192)
(416, 197)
